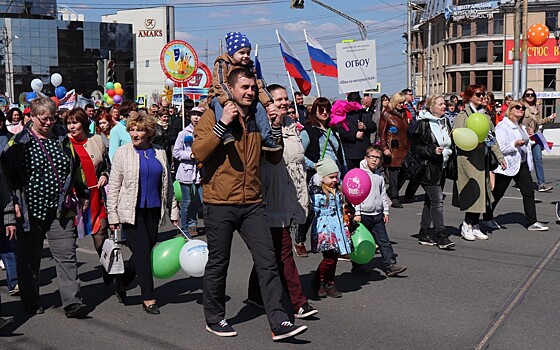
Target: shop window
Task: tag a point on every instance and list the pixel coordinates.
(497, 80)
(498, 51)
(549, 79)
(551, 20)
(482, 52)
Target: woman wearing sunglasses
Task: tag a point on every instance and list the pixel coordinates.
(472, 191)
(532, 120)
(514, 143)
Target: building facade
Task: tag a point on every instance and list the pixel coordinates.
(471, 42)
(152, 28)
(37, 44)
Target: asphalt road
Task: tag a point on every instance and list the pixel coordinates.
(495, 294)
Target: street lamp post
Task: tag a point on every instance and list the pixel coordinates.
(6, 42)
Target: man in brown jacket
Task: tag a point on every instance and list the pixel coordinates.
(233, 201)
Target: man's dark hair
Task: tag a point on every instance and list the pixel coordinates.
(127, 107)
(354, 96)
(89, 105)
(273, 87)
(406, 91)
(235, 74)
(297, 94)
(188, 104)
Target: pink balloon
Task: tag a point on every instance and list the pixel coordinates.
(356, 186)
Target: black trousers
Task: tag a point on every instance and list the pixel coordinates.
(525, 183)
(396, 180)
(251, 223)
(141, 239)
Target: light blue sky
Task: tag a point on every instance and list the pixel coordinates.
(385, 21)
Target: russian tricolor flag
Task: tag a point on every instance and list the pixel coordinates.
(321, 62)
(294, 67)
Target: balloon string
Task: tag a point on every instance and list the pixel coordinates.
(326, 143)
(187, 236)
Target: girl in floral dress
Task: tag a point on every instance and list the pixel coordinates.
(329, 234)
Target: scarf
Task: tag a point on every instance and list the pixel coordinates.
(439, 129)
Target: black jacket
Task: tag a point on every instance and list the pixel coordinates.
(353, 147)
(423, 147)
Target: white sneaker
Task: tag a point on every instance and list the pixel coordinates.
(467, 232)
(2, 265)
(537, 226)
(477, 233)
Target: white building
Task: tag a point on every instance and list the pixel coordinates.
(153, 28)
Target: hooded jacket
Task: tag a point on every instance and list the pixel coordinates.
(377, 201)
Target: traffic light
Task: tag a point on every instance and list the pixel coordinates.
(297, 4)
(100, 73)
(110, 71)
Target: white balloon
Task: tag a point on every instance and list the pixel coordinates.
(170, 83)
(36, 85)
(193, 257)
(56, 79)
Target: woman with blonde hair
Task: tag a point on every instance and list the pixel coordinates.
(393, 133)
(141, 192)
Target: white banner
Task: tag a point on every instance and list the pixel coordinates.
(357, 67)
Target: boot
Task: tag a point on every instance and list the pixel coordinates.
(424, 237)
(331, 291)
(443, 241)
(318, 286)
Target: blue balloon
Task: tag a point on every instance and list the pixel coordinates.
(60, 91)
(30, 96)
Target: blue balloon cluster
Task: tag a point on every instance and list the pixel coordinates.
(60, 91)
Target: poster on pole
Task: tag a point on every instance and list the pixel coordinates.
(357, 67)
(197, 87)
(178, 61)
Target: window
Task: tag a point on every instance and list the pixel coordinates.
(549, 79)
(481, 77)
(482, 26)
(498, 54)
(452, 82)
(466, 28)
(551, 20)
(452, 54)
(466, 53)
(465, 80)
(499, 23)
(497, 80)
(482, 52)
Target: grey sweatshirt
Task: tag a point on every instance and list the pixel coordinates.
(377, 202)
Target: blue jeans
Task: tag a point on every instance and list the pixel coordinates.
(376, 225)
(537, 161)
(432, 213)
(261, 118)
(8, 256)
(190, 203)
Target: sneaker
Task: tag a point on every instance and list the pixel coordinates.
(445, 243)
(14, 292)
(331, 291)
(558, 210)
(477, 233)
(5, 321)
(300, 250)
(491, 224)
(257, 304)
(76, 310)
(466, 232)
(270, 145)
(544, 188)
(321, 292)
(221, 329)
(537, 226)
(424, 238)
(305, 311)
(394, 270)
(287, 330)
(2, 265)
(396, 205)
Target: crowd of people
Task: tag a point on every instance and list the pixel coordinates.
(246, 146)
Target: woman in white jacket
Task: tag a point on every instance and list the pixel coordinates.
(140, 192)
(514, 144)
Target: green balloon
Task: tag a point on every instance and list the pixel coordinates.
(364, 246)
(479, 123)
(465, 139)
(177, 190)
(165, 258)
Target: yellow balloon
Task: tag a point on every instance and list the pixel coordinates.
(110, 101)
(117, 86)
(465, 139)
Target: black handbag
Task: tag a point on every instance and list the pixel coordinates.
(451, 171)
(413, 166)
(493, 163)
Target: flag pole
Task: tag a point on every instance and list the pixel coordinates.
(313, 70)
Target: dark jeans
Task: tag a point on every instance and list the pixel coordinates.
(376, 225)
(525, 183)
(286, 266)
(251, 223)
(141, 239)
(433, 208)
(61, 236)
(396, 180)
(8, 256)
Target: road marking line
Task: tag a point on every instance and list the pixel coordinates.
(518, 296)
